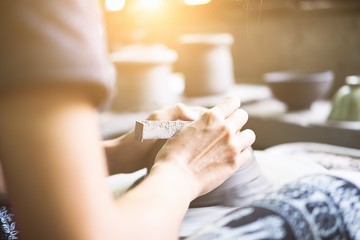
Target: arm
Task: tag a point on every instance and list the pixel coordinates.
(53, 165)
(55, 171)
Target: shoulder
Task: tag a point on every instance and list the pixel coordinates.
(52, 40)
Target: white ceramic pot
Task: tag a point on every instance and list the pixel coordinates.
(206, 62)
(143, 75)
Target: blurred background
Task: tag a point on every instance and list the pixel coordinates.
(206, 49)
(270, 35)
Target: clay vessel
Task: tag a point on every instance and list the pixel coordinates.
(143, 75)
(346, 101)
(299, 89)
(206, 62)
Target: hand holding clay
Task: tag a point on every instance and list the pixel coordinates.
(125, 154)
(209, 150)
(171, 113)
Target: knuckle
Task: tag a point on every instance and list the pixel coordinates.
(226, 131)
(180, 109)
(155, 115)
(235, 163)
(212, 117)
(234, 99)
(233, 149)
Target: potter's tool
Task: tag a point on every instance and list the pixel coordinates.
(246, 183)
(157, 129)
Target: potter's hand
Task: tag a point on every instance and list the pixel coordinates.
(209, 150)
(125, 154)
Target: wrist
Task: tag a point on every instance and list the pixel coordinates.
(178, 178)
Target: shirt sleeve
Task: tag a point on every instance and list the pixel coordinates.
(47, 41)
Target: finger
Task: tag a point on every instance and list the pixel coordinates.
(244, 156)
(237, 120)
(227, 106)
(170, 113)
(245, 139)
(177, 112)
(191, 113)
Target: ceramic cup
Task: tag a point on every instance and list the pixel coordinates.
(346, 101)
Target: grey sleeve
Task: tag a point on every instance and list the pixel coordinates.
(53, 40)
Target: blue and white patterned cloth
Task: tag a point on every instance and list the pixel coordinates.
(8, 230)
(315, 207)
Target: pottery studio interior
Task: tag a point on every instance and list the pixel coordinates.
(294, 65)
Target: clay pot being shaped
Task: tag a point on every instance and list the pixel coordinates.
(206, 62)
(143, 73)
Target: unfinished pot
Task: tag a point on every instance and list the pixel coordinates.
(206, 62)
(143, 75)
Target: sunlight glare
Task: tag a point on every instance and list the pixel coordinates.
(196, 2)
(115, 5)
(149, 4)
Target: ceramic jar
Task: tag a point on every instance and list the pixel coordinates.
(206, 62)
(346, 101)
(143, 73)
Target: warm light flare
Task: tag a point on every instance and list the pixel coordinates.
(196, 2)
(115, 5)
(148, 4)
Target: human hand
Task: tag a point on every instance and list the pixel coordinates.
(209, 150)
(125, 154)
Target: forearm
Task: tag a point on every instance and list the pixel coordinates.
(158, 202)
(55, 163)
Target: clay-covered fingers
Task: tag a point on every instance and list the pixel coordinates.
(226, 106)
